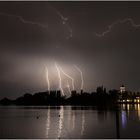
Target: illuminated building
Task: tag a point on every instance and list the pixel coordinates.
(122, 89)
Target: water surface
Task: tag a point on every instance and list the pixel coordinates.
(69, 122)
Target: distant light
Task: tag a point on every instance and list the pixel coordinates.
(128, 107)
(139, 111)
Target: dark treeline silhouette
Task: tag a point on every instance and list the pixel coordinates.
(101, 98)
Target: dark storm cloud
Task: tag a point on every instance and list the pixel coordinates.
(111, 59)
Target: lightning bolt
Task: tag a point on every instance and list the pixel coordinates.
(130, 20)
(81, 74)
(25, 21)
(47, 79)
(60, 80)
(64, 21)
(68, 86)
(70, 31)
(43, 26)
(72, 80)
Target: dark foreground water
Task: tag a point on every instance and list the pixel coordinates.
(69, 122)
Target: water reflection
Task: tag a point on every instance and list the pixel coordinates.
(48, 122)
(73, 120)
(117, 124)
(61, 117)
(130, 120)
(125, 112)
(69, 119)
(129, 111)
(83, 122)
(129, 108)
(123, 119)
(102, 115)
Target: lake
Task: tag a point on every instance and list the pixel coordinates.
(69, 122)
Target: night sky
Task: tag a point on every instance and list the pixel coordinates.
(100, 38)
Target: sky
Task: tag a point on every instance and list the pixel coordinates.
(100, 38)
